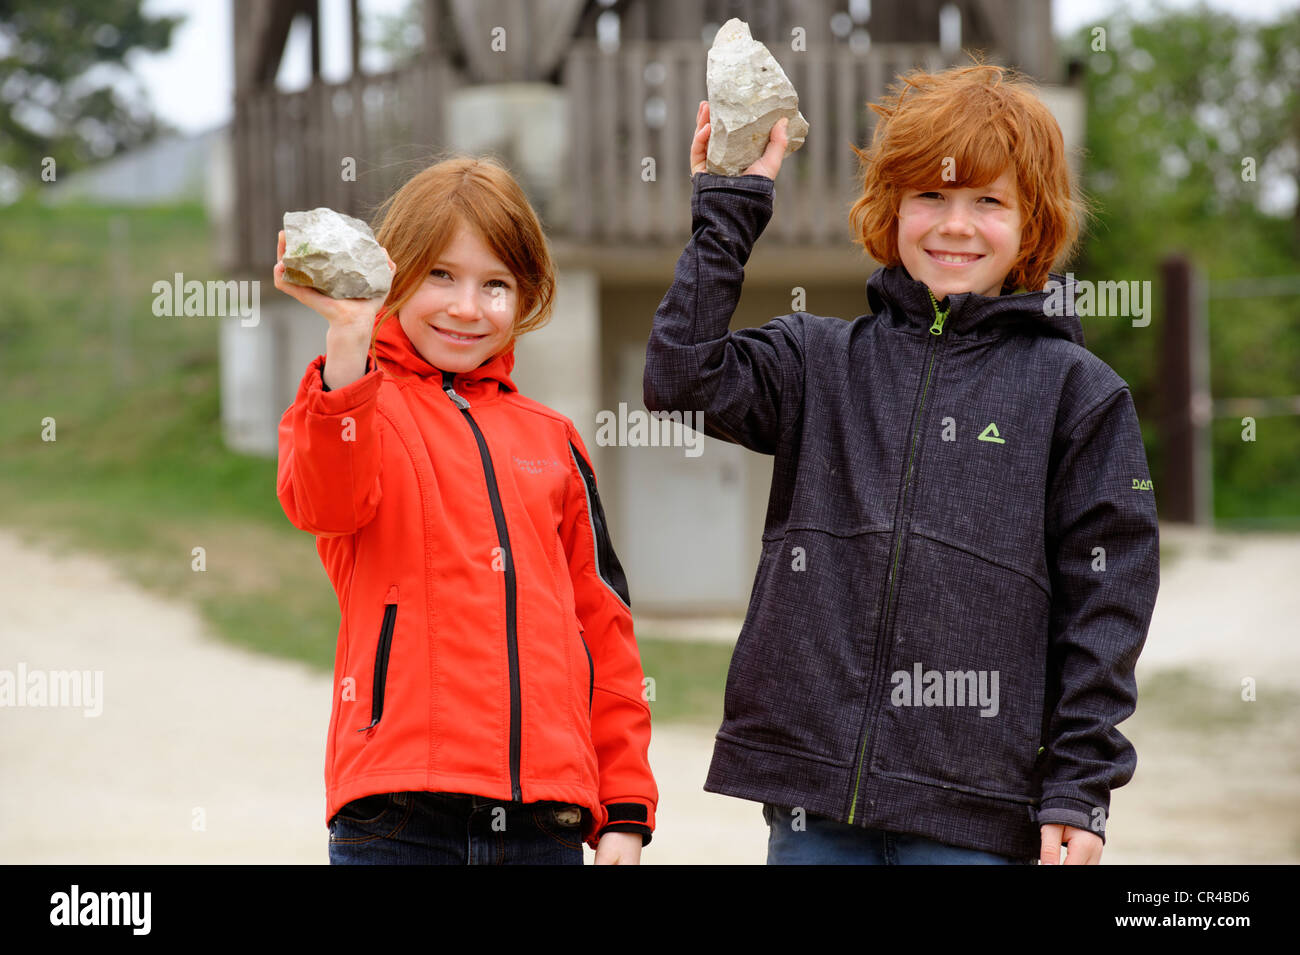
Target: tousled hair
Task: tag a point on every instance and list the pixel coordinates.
(983, 119)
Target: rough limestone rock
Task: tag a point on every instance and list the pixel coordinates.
(748, 93)
(334, 254)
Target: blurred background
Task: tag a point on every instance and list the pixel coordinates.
(145, 145)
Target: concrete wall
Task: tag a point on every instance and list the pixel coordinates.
(714, 547)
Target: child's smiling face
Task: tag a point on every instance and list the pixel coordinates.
(961, 239)
(463, 313)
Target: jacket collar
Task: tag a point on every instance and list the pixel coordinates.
(976, 316)
(394, 348)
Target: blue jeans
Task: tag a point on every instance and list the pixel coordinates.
(817, 840)
(423, 828)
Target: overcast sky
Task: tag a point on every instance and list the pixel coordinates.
(192, 83)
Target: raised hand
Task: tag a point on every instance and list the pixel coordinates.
(768, 164)
(353, 314)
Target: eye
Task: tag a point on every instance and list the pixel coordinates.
(993, 199)
(929, 195)
(437, 272)
(504, 284)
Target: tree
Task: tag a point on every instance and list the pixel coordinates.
(1193, 146)
(60, 66)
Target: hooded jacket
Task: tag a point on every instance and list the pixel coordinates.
(960, 555)
(485, 644)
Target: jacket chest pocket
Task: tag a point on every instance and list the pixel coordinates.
(381, 660)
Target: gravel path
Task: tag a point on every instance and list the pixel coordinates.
(205, 753)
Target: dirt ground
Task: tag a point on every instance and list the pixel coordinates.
(204, 753)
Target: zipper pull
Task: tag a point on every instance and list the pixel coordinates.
(939, 317)
(448, 379)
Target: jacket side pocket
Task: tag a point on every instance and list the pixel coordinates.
(381, 660)
(591, 672)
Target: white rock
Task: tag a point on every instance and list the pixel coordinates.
(335, 254)
(748, 93)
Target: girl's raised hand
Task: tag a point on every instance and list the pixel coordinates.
(768, 164)
(350, 314)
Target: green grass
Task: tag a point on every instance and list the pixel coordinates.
(1191, 702)
(689, 679)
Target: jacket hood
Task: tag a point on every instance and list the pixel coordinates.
(394, 348)
(979, 316)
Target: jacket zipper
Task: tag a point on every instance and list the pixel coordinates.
(936, 329)
(381, 660)
(503, 539)
(591, 674)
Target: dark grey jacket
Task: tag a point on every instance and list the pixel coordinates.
(967, 496)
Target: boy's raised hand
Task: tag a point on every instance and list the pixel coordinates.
(1085, 847)
(768, 164)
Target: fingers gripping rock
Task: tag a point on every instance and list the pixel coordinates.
(748, 93)
(335, 254)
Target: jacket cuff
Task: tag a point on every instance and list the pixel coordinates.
(1071, 812)
(635, 817)
(758, 184)
(350, 398)
(321, 373)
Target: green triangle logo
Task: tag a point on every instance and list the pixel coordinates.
(991, 434)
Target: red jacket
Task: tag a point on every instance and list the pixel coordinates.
(486, 643)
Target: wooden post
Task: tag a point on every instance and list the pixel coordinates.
(1184, 491)
(354, 36)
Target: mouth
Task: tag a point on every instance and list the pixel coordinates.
(456, 337)
(953, 258)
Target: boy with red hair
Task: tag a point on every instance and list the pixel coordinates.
(960, 558)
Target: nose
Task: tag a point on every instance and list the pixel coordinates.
(463, 303)
(957, 219)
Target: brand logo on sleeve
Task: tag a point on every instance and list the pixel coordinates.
(990, 433)
(1141, 485)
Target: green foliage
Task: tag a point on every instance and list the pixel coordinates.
(139, 469)
(62, 66)
(1181, 107)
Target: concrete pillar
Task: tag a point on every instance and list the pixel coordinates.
(261, 367)
(559, 364)
(248, 384)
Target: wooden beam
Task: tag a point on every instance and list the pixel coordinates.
(269, 44)
(312, 9)
(354, 35)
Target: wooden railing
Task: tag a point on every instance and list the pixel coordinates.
(626, 107)
(640, 103)
(344, 145)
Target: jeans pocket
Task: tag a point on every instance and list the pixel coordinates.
(371, 817)
(366, 811)
(562, 822)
